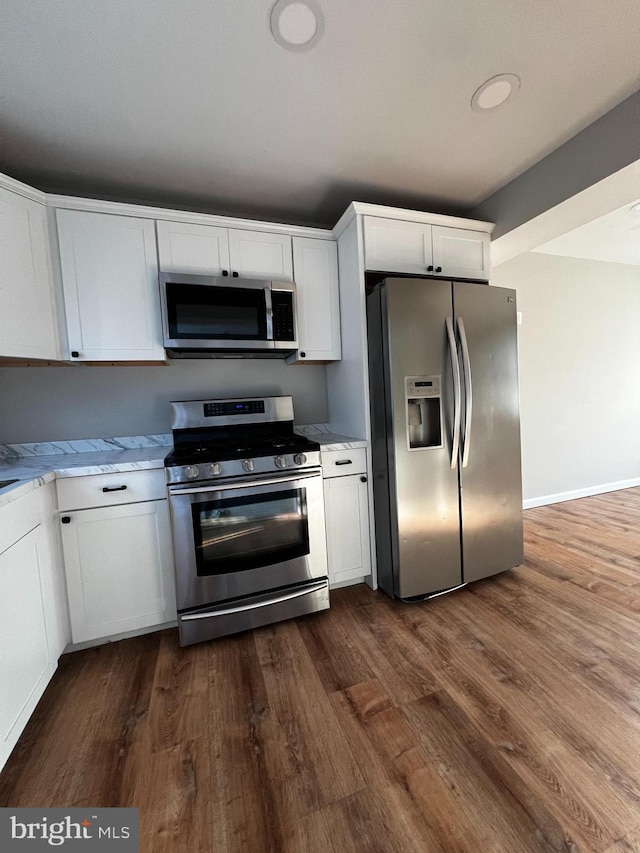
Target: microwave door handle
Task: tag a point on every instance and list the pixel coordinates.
(269, 312)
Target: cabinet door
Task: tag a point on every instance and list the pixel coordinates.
(110, 282)
(119, 569)
(255, 254)
(461, 253)
(28, 318)
(392, 245)
(346, 504)
(196, 249)
(25, 668)
(54, 588)
(318, 302)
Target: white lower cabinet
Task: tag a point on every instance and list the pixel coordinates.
(346, 505)
(119, 567)
(25, 665)
(32, 611)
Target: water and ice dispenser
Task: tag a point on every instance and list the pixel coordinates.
(423, 411)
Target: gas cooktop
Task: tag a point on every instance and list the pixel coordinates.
(228, 438)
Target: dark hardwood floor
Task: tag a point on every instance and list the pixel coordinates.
(503, 717)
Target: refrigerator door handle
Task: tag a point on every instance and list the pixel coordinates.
(468, 392)
(457, 400)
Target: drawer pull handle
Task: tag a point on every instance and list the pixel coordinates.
(344, 462)
(113, 488)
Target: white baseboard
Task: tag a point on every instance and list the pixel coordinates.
(529, 503)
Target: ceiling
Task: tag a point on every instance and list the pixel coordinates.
(191, 103)
(614, 237)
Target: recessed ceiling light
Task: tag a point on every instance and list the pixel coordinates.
(495, 92)
(297, 25)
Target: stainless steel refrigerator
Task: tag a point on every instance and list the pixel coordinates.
(443, 375)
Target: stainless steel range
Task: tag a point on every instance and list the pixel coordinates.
(247, 514)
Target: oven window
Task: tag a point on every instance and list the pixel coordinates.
(199, 312)
(236, 534)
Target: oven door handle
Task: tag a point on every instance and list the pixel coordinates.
(227, 611)
(246, 484)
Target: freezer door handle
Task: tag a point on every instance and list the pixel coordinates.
(468, 392)
(457, 400)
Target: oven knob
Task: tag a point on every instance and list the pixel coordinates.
(213, 469)
(281, 461)
(299, 458)
(191, 472)
(248, 464)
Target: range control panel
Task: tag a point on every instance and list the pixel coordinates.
(234, 407)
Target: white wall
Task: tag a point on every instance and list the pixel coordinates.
(57, 403)
(579, 351)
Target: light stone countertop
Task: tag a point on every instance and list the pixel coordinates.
(329, 440)
(33, 465)
(34, 471)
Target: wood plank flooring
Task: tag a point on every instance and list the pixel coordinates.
(504, 717)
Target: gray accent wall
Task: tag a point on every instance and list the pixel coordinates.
(579, 351)
(57, 403)
(606, 146)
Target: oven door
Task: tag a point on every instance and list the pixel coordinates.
(243, 537)
(205, 312)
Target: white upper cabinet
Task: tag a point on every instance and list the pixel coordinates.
(211, 250)
(110, 281)
(195, 249)
(257, 254)
(395, 245)
(28, 318)
(315, 263)
(460, 253)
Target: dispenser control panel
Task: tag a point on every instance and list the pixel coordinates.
(422, 386)
(423, 411)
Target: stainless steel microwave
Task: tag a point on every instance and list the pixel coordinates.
(214, 316)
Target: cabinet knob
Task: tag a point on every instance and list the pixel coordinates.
(363, 479)
(235, 274)
(66, 519)
(438, 269)
(75, 353)
(303, 355)
(430, 268)
(225, 272)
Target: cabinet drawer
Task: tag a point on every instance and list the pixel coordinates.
(86, 492)
(339, 463)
